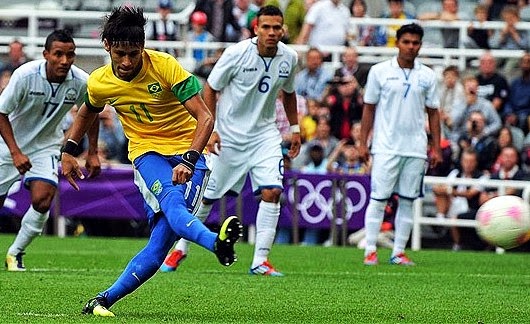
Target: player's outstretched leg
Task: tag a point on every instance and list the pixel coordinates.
(97, 306)
(230, 232)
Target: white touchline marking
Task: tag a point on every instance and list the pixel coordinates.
(40, 315)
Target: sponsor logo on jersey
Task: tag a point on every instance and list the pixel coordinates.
(284, 68)
(254, 69)
(112, 101)
(392, 78)
(156, 188)
(154, 89)
(36, 93)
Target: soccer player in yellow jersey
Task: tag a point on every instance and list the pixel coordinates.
(168, 126)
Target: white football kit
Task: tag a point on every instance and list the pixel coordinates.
(400, 96)
(245, 116)
(36, 109)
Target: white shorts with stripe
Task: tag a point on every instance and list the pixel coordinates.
(262, 161)
(44, 167)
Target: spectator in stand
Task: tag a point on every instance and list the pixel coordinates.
(198, 33)
(345, 104)
(478, 37)
(352, 68)
(203, 70)
(323, 138)
(361, 35)
(504, 139)
(281, 117)
(386, 35)
(312, 81)
(164, 29)
(308, 122)
(5, 76)
(510, 37)
(517, 108)
(441, 201)
(449, 13)
(509, 170)
(111, 137)
(244, 14)
(220, 14)
(345, 159)
(469, 104)
(495, 7)
(16, 56)
(464, 200)
(355, 133)
(492, 85)
(326, 23)
(450, 91)
(294, 15)
(475, 138)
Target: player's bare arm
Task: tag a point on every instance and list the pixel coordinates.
(197, 108)
(434, 126)
(289, 102)
(20, 160)
(210, 98)
(367, 123)
(93, 165)
(70, 167)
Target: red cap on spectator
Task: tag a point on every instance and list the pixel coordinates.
(199, 18)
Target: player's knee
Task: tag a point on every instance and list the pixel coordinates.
(41, 205)
(271, 195)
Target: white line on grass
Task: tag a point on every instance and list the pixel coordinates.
(40, 315)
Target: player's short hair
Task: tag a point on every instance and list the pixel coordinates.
(124, 24)
(59, 35)
(269, 11)
(413, 28)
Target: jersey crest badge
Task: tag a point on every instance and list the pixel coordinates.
(284, 68)
(154, 89)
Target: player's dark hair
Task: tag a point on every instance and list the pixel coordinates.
(413, 28)
(59, 35)
(124, 24)
(269, 11)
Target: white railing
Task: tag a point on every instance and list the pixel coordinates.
(420, 219)
(436, 55)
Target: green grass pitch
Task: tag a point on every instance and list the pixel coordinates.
(322, 285)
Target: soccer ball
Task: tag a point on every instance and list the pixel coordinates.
(504, 221)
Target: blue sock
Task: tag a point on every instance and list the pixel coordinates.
(184, 223)
(144, 265)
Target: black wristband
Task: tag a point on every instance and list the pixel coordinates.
(70, 147)
(189, 158)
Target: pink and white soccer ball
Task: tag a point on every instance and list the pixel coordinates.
(504, 221)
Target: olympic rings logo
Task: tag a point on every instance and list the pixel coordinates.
(316, 201)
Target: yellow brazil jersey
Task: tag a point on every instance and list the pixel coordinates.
(152, 116)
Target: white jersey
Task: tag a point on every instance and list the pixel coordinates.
(36, 107)
(249, 85)
(401, 96)
(331, 23)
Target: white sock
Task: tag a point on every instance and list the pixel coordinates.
(202, 214)
(403, 225)
(31, 226)
(372, 223)
(266, 221)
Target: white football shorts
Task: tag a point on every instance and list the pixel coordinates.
(262, 161)
(396, 174)
(44, 167)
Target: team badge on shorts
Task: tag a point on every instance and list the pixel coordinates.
(156, 188)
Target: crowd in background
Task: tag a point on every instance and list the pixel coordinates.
(485, 112)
